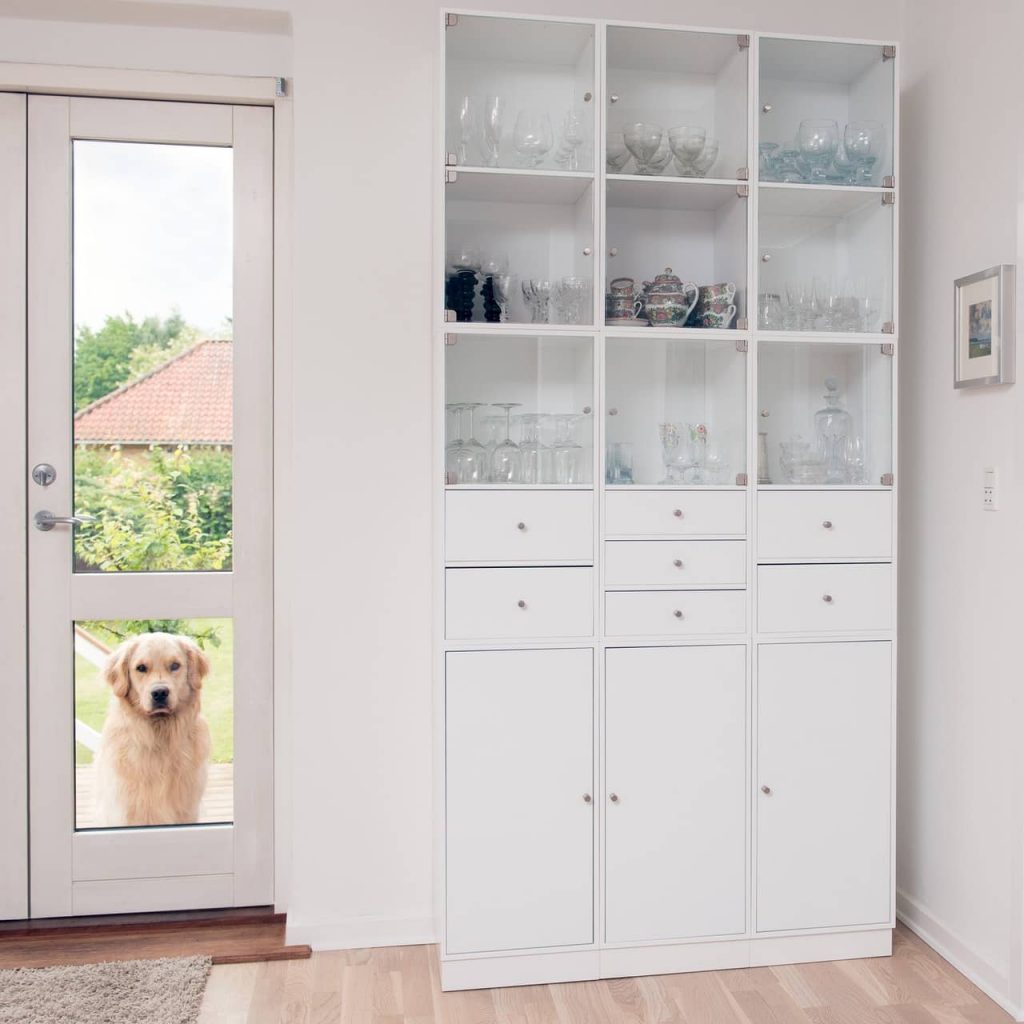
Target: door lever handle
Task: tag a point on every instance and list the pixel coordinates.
(46, 521)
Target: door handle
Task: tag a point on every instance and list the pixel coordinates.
(46, 521)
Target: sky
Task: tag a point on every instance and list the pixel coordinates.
(152, 233)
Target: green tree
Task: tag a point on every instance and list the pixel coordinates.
(123, 349)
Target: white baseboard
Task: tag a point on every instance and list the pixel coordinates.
(363, 932)
(945, 942)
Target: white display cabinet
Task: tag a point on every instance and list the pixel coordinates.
(699, 229)
(674, 409)
(825, 413)
(850, 84)
(671, 79)
(825, 259)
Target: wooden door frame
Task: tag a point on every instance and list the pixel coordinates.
(20, 80)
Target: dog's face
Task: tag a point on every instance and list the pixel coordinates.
(158, 675)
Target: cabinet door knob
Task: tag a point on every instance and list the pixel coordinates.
(678, 513)
(827, 598)
(520, 526)
(613, 251)
(587, 798)
(587, 250)
(827, 524)
(521, 604)
(678, 563)
(614, 98)
(766, 257)
(767, 790)
(613, 412)
(766, 109)
(614, 797)
(678, 614)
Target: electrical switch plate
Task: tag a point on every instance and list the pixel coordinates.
(990, 489)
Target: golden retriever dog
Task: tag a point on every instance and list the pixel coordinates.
(155, 746)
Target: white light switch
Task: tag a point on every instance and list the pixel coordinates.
(990, 489)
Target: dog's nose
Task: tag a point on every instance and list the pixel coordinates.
(160, 694)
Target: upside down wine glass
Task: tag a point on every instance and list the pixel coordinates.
(466, 461)
(507, 459)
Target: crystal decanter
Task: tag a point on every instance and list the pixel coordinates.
(833, 428)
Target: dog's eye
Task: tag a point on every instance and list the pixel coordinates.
(175, 665)
(140, 668)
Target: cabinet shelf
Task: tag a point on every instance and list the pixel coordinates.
(676, 333)
(518, 185)
(638, 191)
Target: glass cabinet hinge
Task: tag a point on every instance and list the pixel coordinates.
(450, 316)
(280, 87)
(743, 41)
(888, 349)
(450, 159)
(888, 327)
(889, 181)
(888, 480)
(741, 479)
(743, 173)
(451, 340)
(743, 191)
(742, 345)
(888, 52)
(451, 20)
(450, 176)
(888, 198)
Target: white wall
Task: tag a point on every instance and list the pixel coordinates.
(361, 598)
(959, 833)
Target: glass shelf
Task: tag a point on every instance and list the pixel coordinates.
(670, 78)
(826, 259)
(842, 82)
(551, 380)
(533, 66)
(696, 387)
(696, 228)
(797, 379)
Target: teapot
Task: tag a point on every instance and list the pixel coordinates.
(668, 301)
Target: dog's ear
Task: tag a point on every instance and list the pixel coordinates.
(198, 662)
(116, 670)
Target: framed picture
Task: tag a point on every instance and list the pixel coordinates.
(984, 335)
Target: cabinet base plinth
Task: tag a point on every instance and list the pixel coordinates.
(679, 958)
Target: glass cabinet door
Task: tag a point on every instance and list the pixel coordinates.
(825, 414)
(826, 112)
(674, 412)
(519, 410)
(676, 103)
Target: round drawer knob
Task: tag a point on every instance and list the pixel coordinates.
(678, 614)
(587, 798)
(767, 790)
(827, 598)
(522, 604)
(678, 513)
(520, 526)
(678, 563)
(827, 524)
(614, 797)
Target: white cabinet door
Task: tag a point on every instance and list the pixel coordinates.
(519, 764)
(823, 785)
(676, 771)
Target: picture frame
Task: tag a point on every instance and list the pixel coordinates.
(984, 335)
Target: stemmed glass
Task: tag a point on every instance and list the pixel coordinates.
(532, 137)
(466, 461)
(567, 155)
(493, 118)
(687, 142)
(467, 130)
(661, 159)
(537, 293)
(568, 453)
(703, 163)
(535, 455)
(507, 459)
(454, 442)
(643, 140)
(862, 142)
(818, 139)
(571, 295)
(617, 155)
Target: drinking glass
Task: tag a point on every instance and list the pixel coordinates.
(862, 142)
(571, 296)
(468, 131)
(453, 432)
(856, 466)
(617, 155)
(643, 140)
(569, 455)
(687, 142)
(507, 459)
(572, 132)
(703, 163)
(532, 137)
(770, 312)
(493, 123)
(537, 293)
(536, 457)
(467, 460)
(661, 159)
(501, 286)
(618, 462)
(768, 160)
(818, 139)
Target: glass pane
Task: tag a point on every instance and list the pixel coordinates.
(152, 356)
(826, 260)
(826, 112)
(519, 93)
(825, 413)
(682, 99)
(675, 412)
(519, 410)
(154, 722)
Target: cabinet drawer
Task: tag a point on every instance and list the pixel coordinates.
(675, 513)
(674, 612)
(519, 526)
(489, 604)
(824, 524)
(684, 563)
(824, 598)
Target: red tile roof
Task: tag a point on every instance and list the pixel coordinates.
(187, 400)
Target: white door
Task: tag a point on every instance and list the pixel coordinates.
(675, 781)
(823, 785)
(149, 240)
(519, 756)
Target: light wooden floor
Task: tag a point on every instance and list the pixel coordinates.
(398, 985)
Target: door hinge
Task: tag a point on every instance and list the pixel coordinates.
(451, 20)
(451, 340)
(888, 52)
(743, 41)
(743, 191)
(888, 198)
(888, 327)
(743, 174)
(450, 176)
(888, 480)
(280, 87)
(450, 316)
(451, 159)
(742, 345)
(888, 349)
(741, 479)
(889, 181)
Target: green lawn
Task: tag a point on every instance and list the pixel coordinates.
(92, 693)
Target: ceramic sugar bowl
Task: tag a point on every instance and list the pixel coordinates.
(669, 301)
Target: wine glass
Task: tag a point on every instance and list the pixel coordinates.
(617, 155)
(703, 163)
(501, 287)
(567, 155)
(467, 460)
(661, 159)
(536, 456)
(467, 130)
(493, 118)
(568, 453)
(507, 459)
(862, 142)
(818, 139)
(453, 433)
(687, 142)
(532, 137)
(537, 293)
(642, 140)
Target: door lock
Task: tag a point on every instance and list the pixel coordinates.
(44, 474)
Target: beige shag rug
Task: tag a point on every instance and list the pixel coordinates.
(165, 991)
